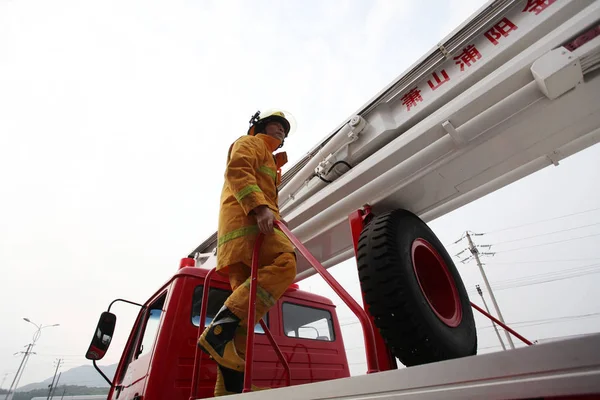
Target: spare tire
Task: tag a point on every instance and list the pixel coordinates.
(414, 291)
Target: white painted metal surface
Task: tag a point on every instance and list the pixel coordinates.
(466, 125)
(570, 367)
(500, 127)
(557, 72)
(347, 135)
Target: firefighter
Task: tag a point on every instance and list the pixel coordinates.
(249, 205)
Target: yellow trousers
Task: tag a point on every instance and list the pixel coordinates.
(273, 280)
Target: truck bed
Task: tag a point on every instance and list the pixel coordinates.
(563, 368)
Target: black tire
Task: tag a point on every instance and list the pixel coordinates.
(422, 311)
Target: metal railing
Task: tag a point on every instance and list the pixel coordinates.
(201, 327)
(361, 314)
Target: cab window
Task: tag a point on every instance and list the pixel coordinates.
(145, 336)
(152, 320)
(216, 299)
(307, 322)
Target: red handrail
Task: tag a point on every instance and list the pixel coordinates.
(252, 314)
(369, 336)
(201, 327)
(198, 355)
(361, 314)
(527, 342)
(284, 362)
(251, 317)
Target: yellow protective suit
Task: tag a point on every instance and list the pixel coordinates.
(251, 180)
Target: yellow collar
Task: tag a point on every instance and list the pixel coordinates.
(272, 143)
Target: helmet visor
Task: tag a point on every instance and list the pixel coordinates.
(278, 113)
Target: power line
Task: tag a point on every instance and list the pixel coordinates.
(542, 261)
(545, 321)
(590, 268)
(557, 274)
(564, 337)
(550, 280)
(548, 233)
(62, 356)
(543, 220)
(547, 244)
(541, 281)
(549, 273)
(464, 236)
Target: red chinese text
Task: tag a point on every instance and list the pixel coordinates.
(469, 55)
(411, 98)
(537, 6)
(501, 29)
(438, 82)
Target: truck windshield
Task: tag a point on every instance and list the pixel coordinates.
(216, 299)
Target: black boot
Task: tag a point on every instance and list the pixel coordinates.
(217, 340)
(230, 382)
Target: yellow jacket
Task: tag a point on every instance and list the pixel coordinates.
(251, 180)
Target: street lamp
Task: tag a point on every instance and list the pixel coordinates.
(38, 332)
(21, 369)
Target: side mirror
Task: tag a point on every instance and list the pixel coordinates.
(102, 336)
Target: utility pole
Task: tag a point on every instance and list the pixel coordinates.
(53, 378)
(16, 379)
(4, 379)
(64, 391)
(488, 310)
(475, 253)
(55, 386)
(26, 355)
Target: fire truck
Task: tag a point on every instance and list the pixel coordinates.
(514, 89)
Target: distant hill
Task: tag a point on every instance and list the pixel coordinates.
(69, 391)
(85, 375)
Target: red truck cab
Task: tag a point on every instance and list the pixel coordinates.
(158, 359)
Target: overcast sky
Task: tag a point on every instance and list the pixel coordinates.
(115, 118)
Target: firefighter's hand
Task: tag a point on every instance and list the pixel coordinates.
(264, 219)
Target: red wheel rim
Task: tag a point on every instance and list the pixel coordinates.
(436, 282)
